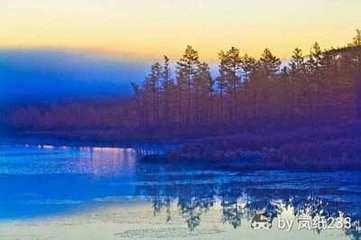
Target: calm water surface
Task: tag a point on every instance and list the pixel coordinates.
(46, 180)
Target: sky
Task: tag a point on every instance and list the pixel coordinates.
(37, 75)
(150, 28)
(57, 48)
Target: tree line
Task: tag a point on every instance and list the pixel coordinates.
(321, 87)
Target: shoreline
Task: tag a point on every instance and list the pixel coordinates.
(326, 148)
(56, 140)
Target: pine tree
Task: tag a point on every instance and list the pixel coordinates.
(269, 63)
(297, 60)
(268, 66)
(151, 94)
(203, 90)
(299, 86)
(230, 70)
(249, 67)
(168, 93)
(322, 74)
(187, 68)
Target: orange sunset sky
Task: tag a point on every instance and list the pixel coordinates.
(150, 28)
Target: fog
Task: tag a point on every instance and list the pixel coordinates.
(43, 75)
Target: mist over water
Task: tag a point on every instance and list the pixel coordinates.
(48, 74)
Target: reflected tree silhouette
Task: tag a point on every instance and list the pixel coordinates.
(194, 195)
(192, 205)
(233, 213)
(233, 209)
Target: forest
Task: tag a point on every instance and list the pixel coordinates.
(322, 87)
(183, 99)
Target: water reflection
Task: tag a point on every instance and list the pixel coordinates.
(45, 179)
(107, 161)
(253, 198)
(30, 159)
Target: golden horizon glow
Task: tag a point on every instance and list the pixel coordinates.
(151, 28)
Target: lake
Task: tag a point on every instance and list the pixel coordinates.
(91, 192)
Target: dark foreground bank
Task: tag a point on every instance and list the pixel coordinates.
(311, 148)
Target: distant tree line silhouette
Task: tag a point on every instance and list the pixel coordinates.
(322, 87)
(184, 99)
